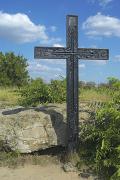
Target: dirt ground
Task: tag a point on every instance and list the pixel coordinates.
(36, 172)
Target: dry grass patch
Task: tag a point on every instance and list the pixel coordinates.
(15, 159)
(8, 97)
(93, 95)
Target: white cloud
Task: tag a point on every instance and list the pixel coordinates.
(82, 66)
(51, 41)
(117, 57)
(94, 46)
(101, 25)
(39, 67)
(53, 28)
(57, 45)
(60, 76)
(102, 3)
(99, 62)
(19, 28)
(45, 71)
(36, 67)
(54, 61)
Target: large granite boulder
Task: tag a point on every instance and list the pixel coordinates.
(31, 129)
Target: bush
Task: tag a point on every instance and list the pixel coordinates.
(34, 93)
(100, 144)
(58, 91)
(38, 92)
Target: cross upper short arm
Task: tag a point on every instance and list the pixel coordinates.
(64, 53)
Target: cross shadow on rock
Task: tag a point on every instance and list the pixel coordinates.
(20, 109)
(15, 111)
(58, 123)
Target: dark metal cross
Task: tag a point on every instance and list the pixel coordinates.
(71, 53)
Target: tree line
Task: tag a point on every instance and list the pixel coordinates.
(111, 83)
(13, 72)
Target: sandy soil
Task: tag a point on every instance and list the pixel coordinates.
(36, 172)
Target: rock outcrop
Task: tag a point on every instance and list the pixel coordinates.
(31, 129)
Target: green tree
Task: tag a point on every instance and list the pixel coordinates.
(90, 85)
(113, 82)
(82, 84)
(13, 70)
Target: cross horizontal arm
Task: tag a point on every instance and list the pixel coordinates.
(93, 54)
(50, 53)
(64, 53)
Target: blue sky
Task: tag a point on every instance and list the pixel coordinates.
(26, 24)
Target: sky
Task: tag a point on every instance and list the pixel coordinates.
(26, 24)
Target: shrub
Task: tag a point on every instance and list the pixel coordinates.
(58, 91)
(100, 144)
(34, 93)
(38, 92)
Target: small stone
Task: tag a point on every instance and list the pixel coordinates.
(84, 175)
(68, 167)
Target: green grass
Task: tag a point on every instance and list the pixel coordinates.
(94, 95)
(8, 97)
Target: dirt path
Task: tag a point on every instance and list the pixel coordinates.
(36, 172)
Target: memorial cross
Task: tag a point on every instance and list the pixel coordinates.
(71, 53)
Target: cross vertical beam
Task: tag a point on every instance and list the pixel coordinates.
(72, 83)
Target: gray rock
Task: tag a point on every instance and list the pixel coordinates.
(32, 129)
(28, 130)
